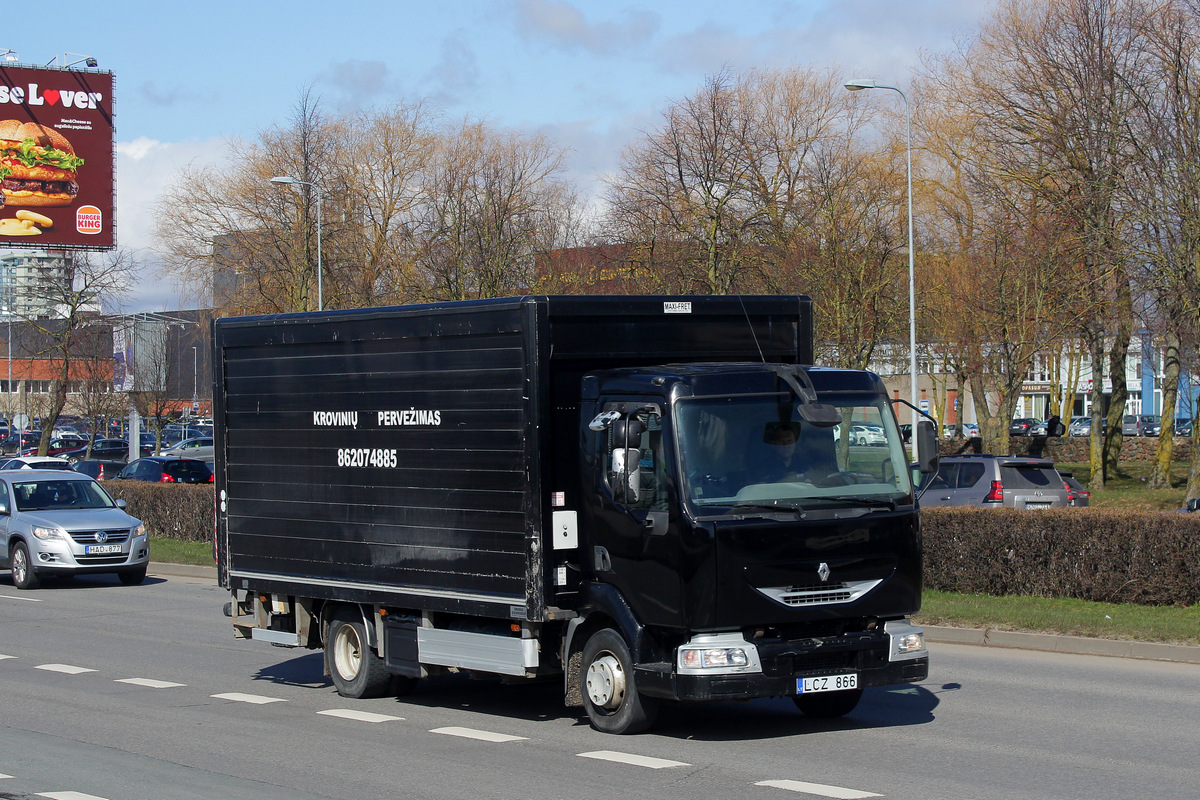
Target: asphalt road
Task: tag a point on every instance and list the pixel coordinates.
(121, 693)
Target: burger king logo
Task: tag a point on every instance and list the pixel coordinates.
(88, 219)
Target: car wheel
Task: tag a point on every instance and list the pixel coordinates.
(23, 575)
(609, 688)
(827, 705)
(356, 669)
(132, 577)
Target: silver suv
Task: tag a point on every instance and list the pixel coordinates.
(996, 482)
(62, 523)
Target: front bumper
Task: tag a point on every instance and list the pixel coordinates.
(872, 656)
(60, 557)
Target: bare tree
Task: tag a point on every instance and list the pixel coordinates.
(87, 281)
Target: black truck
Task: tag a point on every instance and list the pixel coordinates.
(657, 498)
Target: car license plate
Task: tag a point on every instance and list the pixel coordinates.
(1038, 505)
(826, 683)
(99, 549)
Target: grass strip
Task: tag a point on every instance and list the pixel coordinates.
(1064, 616)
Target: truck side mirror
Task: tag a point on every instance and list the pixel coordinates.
(927, 446)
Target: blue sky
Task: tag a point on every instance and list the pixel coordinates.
(589, 74)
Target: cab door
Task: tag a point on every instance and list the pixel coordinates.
(635, 541)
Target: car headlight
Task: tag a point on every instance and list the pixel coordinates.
(47, 533)
(140, 530)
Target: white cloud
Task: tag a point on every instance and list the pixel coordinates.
(145, 168)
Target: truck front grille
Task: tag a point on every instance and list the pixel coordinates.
(819, 594)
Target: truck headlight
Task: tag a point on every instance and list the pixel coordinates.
(907, 641)
(715, 657)
(717, 654)
(47, 533)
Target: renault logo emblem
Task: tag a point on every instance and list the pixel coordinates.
(823, 572)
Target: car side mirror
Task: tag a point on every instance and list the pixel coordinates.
(121, 504)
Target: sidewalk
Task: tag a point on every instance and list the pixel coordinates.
(936, 634)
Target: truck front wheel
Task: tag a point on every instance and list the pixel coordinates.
(609, 688)
(356, 669)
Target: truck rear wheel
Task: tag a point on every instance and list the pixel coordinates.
(356, 669)
(609, 688)
(827, 705)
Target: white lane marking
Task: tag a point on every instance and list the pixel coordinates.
(14, 597)
(361, 716)
(256, 699)
(484, 736)
(69, 796)
(150, 683)
(635, 760)
(2, 657)
(3, 776)
(819, 789)
(64, 668)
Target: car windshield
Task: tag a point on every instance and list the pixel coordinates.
(41, 495)
(756, 451)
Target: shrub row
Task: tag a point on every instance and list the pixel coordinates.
(182, 511)
(1112, 556)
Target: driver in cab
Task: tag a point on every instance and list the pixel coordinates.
(780, 463)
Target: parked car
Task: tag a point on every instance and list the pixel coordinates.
(867, 435)
(104, 450)
(18, 442)
(1077, 494)
(969, 429)
(1079, 426)
(993, 481)
(100, 470)
(35, 462)
(1140, 425)
(165, 469)
(1183, 427)
(58, 445)
(1022, 425)
(200, 447)
(61, 523)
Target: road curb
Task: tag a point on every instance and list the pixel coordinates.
(1054, 643)
(938, 634)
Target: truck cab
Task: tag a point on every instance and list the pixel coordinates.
(742, 540)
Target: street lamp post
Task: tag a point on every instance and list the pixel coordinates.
(195, 381)
(316, 189)
(858, 85)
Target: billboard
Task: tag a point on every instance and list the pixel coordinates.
(56, 158)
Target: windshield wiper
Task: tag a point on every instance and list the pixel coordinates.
(861, 501)
(777, 506)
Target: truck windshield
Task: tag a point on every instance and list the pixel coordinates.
(755, 450)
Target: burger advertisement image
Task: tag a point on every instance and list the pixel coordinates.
(56, 158)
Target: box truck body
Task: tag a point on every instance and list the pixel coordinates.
(567, 485)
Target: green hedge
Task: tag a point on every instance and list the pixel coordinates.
(1111, 556)
(1104, 555)
(179, 511)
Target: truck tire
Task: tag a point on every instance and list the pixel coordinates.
(356, 669)
(23, 576)
(609, 687)
(827, 705)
